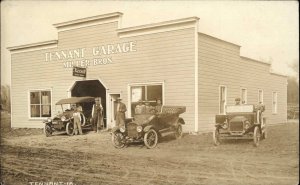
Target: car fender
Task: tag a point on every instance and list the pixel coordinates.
(115, 129)
(181, 120)
(147, 128)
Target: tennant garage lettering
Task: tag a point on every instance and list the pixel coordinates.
(101, 55)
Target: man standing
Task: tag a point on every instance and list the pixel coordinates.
(97, 115)
(77, 120)
(120, 113)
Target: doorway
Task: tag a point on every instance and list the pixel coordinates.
(92, 88)
(112, 107)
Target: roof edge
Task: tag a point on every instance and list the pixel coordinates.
(274, 73)
(219, 39)
(87, 19)
(158, 24)
(37, 44)
(261, 62)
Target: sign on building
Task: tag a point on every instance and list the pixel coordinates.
(79, 71)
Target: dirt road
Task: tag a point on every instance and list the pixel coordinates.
(91, 159)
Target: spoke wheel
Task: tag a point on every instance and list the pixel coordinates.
(47, 131)
(70, 128)
(151, 138)
(256, 136)
(216, 137)
(118, 140)
(178, 131)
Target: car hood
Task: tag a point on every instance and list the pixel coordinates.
(142, 119)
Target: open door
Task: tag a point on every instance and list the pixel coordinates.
(112, 107)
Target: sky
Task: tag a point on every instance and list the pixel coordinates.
(265, 30)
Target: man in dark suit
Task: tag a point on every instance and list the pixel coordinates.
(120, 113)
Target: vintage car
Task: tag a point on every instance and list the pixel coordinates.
(241, 122)
(148, 128)
(63, 121)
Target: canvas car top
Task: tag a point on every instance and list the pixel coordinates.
(74, 100)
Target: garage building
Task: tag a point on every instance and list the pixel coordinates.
(169, 60)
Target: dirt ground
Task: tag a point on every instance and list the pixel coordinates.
(91, 159)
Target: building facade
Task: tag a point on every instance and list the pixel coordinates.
(170, 61)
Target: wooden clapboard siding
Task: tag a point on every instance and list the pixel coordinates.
(220, 64)
(166, 57)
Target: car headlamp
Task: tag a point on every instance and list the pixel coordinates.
(63, 118)
(122, 129)
(247, 125)
(49, 119)
(139, 128)
(225, 125)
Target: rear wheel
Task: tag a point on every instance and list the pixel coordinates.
(70, 128)
(118, 140)
(151, 138)
(256, 136)
(216, 137)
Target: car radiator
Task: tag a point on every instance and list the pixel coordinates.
(236, 126)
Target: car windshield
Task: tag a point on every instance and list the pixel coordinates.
(239, 108)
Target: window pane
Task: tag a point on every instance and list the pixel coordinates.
(34, 97)
(46, 97)
(137, 93)
(46, 111)
(154, 92)
(35, 111)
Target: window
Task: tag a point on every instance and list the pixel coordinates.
(274, 103)
(40, 103)
(222, 98)
(244, 95)
(260, 96)
(147, 93)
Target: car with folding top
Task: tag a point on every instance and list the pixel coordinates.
(63, 122)
(149, 127)
(241, 122)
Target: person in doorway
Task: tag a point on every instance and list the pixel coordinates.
(237, 101)
(120, 113)
(77, 120)
(140, 108)
(158, 106)
(97, 115)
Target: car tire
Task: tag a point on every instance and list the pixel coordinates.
(47, 131)
(83, 120)
(178, 131)
(151, 139)
(70, 128)
(256, 136)
(216, 137)
(117, 139)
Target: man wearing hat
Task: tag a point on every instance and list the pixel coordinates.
(120, 113)
(97, 115)
(237, 101)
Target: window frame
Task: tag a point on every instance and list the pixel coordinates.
(29, 103)
(262, 95)
(246, 95)
(225, 103)
(143, 84)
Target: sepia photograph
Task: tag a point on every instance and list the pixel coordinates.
(149, 92)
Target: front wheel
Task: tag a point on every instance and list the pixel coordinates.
(216, 137)
(118, 140)
(178, 131)
(47, 131)
(151, 138)
(70, 128)
(256, 136)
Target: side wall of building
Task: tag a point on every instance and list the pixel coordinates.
(166, 57)
(220, 64)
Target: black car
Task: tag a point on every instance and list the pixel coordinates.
(241, 122)
(149, 127)
(63, 122)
